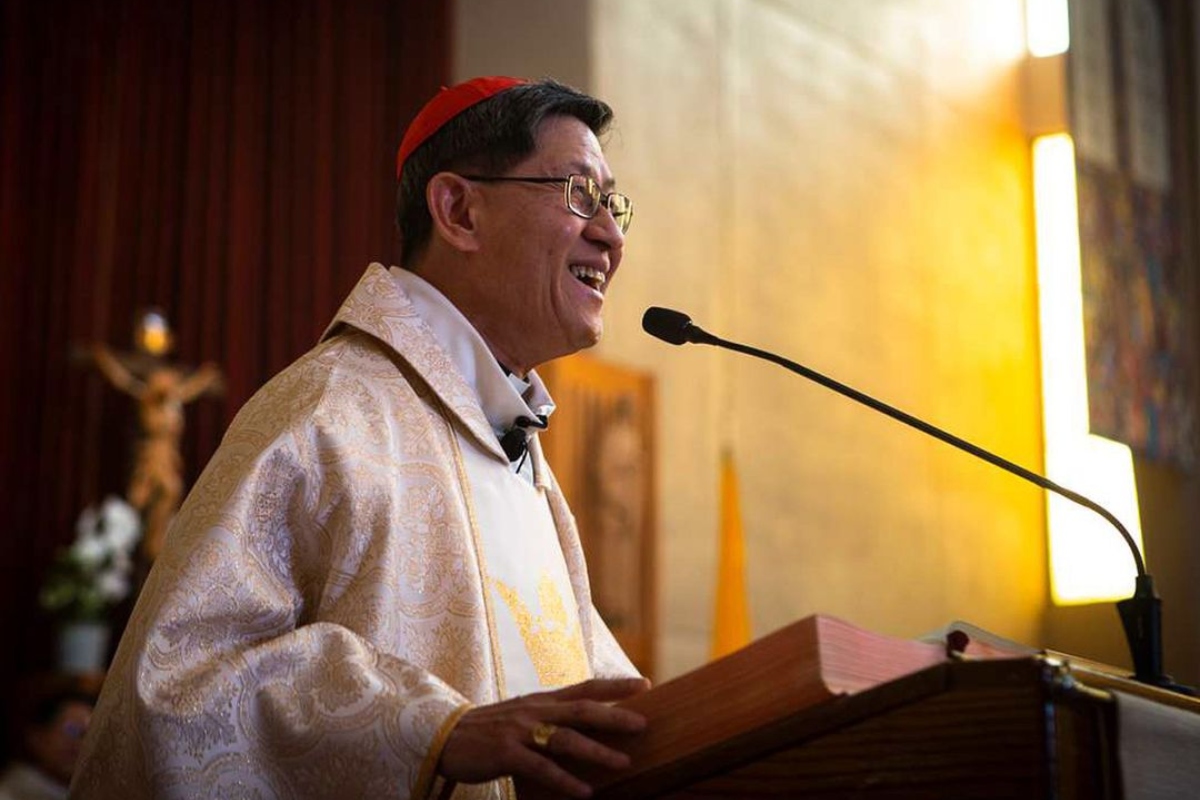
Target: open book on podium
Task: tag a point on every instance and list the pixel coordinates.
(821, 706)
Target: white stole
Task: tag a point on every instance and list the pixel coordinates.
(535, 615)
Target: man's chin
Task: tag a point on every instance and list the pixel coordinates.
(590, 337)
(582, 339)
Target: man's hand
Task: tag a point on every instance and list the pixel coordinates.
(497, 740)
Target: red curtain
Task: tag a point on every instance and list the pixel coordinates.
(229, 162)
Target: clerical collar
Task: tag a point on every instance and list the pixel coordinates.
(503, 397)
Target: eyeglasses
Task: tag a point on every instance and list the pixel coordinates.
(581, 194)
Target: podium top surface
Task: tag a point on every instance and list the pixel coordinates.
(1036, 726)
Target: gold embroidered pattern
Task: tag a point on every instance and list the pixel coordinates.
(552, 638)
(473, 526)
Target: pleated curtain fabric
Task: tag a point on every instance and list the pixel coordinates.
(229, 163)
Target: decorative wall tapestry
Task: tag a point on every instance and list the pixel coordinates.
(1138, 290)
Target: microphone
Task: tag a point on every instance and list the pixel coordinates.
(674, 327)
(515, 441)
(1141, 614)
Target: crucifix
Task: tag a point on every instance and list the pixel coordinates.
(161, 389)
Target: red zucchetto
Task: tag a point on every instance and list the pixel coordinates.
(445, 106)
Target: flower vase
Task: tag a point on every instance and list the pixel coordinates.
(83, 647)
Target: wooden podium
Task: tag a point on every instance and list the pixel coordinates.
(1038, 726)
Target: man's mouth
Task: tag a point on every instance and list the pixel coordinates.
(591, 276)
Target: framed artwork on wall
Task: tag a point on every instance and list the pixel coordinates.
(601, 446)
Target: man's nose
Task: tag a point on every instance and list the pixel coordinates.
(604, 228)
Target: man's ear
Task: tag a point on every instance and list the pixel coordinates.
(451, 200)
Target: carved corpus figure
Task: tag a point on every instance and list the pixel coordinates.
(156, 485)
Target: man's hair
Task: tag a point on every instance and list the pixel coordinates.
(490, 138)
(35, 700)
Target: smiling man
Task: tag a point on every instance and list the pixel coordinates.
(376, 588)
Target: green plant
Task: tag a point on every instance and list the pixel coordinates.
(91, 576)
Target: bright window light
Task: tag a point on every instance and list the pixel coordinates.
(1047, 27)
(1089, 560)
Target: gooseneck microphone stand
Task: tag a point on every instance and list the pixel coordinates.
(1141, 614)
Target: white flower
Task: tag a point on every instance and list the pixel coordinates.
(94, 574)
(90, 551)
(112, 585)
(121, 525)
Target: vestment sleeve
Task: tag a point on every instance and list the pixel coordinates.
(608, 658)
(270, 652)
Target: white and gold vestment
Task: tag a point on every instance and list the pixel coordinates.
(323, 611)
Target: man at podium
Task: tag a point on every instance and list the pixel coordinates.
(376, 588)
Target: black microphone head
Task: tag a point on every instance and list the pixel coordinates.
(670, 326)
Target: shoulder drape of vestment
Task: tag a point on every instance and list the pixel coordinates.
(317, 621)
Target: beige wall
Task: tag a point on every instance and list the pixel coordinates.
(845, 182)
(527, 38)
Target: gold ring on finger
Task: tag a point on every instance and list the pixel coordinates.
(542, 732)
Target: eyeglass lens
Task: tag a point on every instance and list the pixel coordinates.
(584, 197)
